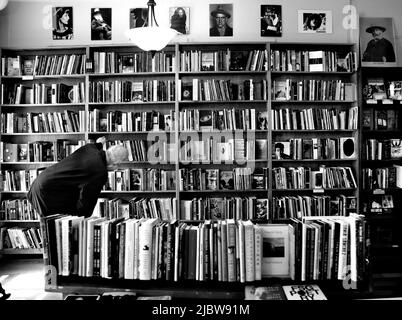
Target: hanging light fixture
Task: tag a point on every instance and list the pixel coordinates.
(151, 37)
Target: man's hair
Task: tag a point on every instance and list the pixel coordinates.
(116, 154)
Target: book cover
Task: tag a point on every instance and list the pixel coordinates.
(226, 180)
(238, 60)
(207, 61)
(212, 179)
(316, 59)
(186, 91)
(376, 89)
(281, 90)
(137, 91)
(261, 209)
(261, 149)
(395, 90)
(127, 63)
(396, 148)
(28, 67)
(205, 120)
(304, 292)
(216, 207)
(275, 251)
(274, 292)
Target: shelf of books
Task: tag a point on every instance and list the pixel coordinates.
(243, 164)
(381, 169)
(42, 121)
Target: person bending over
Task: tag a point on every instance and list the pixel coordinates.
(73, 185)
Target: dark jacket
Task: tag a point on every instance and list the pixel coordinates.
(376, 49)
(71, 186)
(214, 32)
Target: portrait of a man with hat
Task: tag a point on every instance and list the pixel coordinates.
(378, 49)
(221, 14)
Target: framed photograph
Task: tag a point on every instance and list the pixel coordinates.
(277, 251)
(101, 24)
(179, 18)
(221, 20)
(271, 21)
(138, 17)
(314, 21)
(62, 23)
(377, 42)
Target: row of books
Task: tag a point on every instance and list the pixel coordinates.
(308, 178)
(381, 119)
(382, 149)
(215, 179)
(43, 93)
(134, 62)
(43, 122)
(378, 89)
(382, 178)
(317, 60)
(18, 180)
(17, 209)
(315, 148)
(215, 208)
(131, 91)
(315, 119)
(141, 180)
(225, 119)
(223, 60)
(130, 121)
(312, 90)
(38, 151)
(313, 206)
(222, 90)
(43, 65)
(153, 151)
(322, 248)
(137, 208)
(213, 149)
(20, 238)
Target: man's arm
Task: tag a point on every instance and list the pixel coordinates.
(88, 197)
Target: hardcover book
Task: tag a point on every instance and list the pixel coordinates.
(137, 91)
(207, 61)
(127, 62)
(226, 181)
(395, 90)
(376, 89)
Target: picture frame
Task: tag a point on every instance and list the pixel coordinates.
(138, 17)
(277, 250)
(314, 21)
(378, 31)
(101, 24)
(179, 19)
(271, 21)
(62, 22)
(221, 20)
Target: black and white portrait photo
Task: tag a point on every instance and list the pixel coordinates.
(271, 21)
(314, 21)
(62, 23)
(221, 20)
(138, 17)
(101, 24)
(179, 18)
(377, 42)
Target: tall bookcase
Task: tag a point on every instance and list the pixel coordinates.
(28, 145)
(381, 134)
(188, 99)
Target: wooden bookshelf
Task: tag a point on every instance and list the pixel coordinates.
(261, 77)
(385, 222)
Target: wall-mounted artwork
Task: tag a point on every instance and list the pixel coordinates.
(62, 23)
(315, 21)
(179, 18)
(271, 21)
(377, 42)
(138, 17)
(101, 24)
(221, 20)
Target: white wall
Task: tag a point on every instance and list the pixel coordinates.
(26, 23)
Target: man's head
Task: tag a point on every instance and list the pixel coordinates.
(97, 14)
(115, 155)
(221, 16)
(376, 31)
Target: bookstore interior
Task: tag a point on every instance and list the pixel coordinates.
(264, 147)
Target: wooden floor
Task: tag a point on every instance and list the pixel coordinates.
(24, 279)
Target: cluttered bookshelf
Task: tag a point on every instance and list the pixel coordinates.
(243, 165)
(381, 169)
